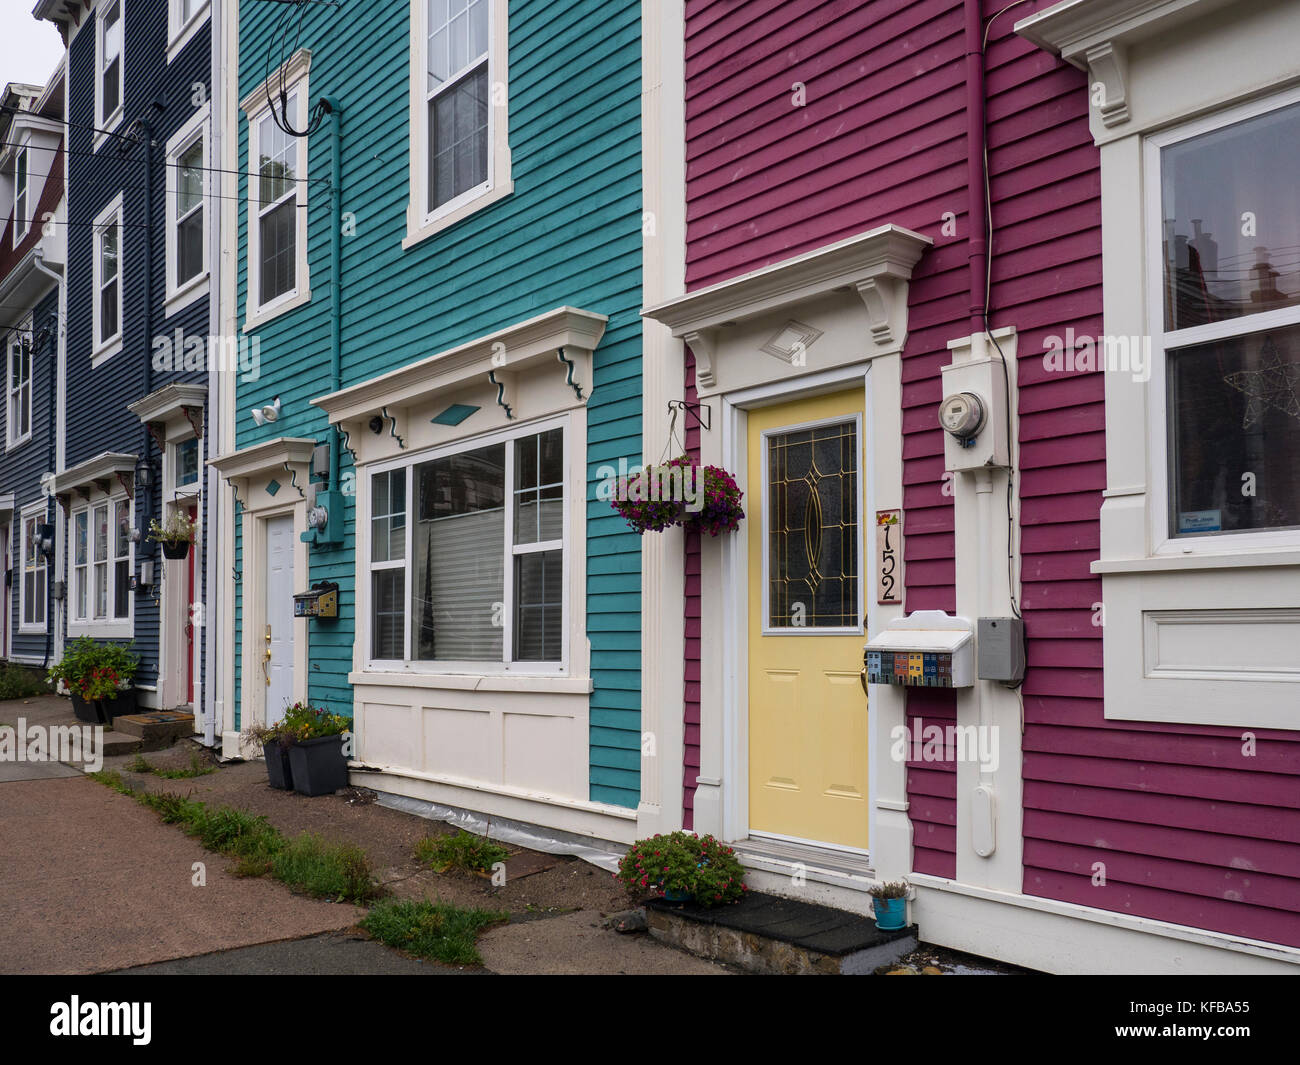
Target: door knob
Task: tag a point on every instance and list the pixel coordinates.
(862, 677)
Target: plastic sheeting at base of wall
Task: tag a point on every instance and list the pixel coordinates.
(519, 833)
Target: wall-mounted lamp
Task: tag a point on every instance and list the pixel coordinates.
(143, 474)
(376, 424)
(269, 413)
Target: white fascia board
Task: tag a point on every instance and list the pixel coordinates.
(524, 345)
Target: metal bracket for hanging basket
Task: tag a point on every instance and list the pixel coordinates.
(702, 414)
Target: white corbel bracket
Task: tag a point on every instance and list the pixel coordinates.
(1108, 82)
(881, 295)
(703, 344)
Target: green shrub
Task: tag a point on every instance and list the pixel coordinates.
(301, 721)
(464, 850)
(19, 682)
(431, 929)
(700, 866)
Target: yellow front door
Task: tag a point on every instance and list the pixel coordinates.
(807, 710)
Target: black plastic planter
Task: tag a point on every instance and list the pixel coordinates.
(175, 550)
(318, 766)
(123, 703)
(91, 712)
(279, 773)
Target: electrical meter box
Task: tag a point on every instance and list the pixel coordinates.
(1001, 649)
(322, 601)
(926, 649)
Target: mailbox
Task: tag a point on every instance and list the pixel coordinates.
(926, 649)
(321, 601)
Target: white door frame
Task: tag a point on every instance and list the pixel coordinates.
(253, 589)
(735, 581)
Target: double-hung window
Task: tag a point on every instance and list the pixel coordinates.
(184, 17)
(187, 232)
(33, 587)
(107, 270)
(101, 563)
(108, 65)
(467, 557)
(19, 405)
(22, 194)
(460, 157)
(277, 195)
(1229, 307)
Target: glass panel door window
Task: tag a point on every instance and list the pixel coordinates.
(813, 537)
(457, 97)
(484, 548)
(1230, 248)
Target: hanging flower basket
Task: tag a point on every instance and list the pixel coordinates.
(680, 492)
(175, 548)
(175, 535)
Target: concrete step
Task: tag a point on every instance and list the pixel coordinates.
(155, 729)
(768, 934)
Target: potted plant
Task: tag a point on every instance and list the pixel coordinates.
(889, 900)
(99, 678)
(681, 867)
(657, 498)
(304, 750)
(175, 535)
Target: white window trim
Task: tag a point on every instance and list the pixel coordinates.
(171, 469)
(422, 223)
(197, 128)
(255, 107)
(102, 351)
(106, 125)
(31, 511)
(90, 626)
(15, 340)
(22, 218)
(365, 567)
(180, 33)
(1163, 544)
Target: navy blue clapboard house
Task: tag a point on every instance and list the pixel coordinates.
(136, 324)
(33, 251)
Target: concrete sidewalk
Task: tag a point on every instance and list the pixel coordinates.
(91, 881)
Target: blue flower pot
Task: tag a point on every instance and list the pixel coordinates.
(891, 914)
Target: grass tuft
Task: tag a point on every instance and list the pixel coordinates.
(325, 870)
(464, 850)
(431, 929)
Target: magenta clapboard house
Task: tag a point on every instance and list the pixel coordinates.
(1134, 803)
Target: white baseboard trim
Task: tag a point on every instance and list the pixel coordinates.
(591, 820)
(1064, 938)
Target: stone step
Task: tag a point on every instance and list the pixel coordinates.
(155, 729)
(774, 935)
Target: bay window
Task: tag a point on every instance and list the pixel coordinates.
(467, 556)
(101, 555)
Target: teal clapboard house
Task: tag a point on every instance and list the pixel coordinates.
(439, 275)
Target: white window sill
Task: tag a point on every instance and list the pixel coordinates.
(26, 629)
(256, 318)
(496, 682)
(12, 444)
(437, 222)
(183, 35)
(19, 237)
(1167, 563)
(105, 352)
(191, 292)
(108, 630)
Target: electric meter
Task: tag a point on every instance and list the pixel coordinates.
(962, 414)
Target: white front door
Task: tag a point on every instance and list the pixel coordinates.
(278, 639)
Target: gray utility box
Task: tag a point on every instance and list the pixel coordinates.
(1000, 649)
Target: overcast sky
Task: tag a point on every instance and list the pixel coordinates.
(29, 50)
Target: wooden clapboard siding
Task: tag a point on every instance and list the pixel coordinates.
(1190, 831)
(165, 94)
(570, 233)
